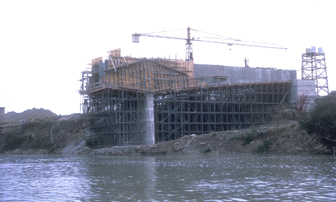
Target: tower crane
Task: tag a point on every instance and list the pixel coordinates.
(189, 48)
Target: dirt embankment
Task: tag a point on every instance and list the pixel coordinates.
(45, 133)
(67, 135)
(283, 138)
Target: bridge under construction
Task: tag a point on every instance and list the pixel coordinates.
(133, 101)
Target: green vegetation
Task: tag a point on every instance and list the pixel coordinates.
(96, 141)
(11, 141)
(264, 147)
(35, 134)
(207, 150)
(72, 126)
(92, 141)
(321, 120)
(267, 138)
(248, 138)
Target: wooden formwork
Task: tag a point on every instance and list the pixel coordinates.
(146, 75)
(138, 74)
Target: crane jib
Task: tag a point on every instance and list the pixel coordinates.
(207, 41)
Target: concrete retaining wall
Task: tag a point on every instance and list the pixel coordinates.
(247, 75)
(244, 74)
(303, 87)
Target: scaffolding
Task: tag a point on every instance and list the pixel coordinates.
(206, 109)
(116, 92)
(121, 122)
(314, 68)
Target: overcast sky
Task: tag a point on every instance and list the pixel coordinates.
(44, 45)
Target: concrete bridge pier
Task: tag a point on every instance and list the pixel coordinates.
(148, 120)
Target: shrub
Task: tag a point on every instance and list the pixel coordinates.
(321, 120)
(69, 125)
(264, 147)
(207, 150)
(96, 141)
(31, 135)
(248, 138)
(11, 141)
(90, 142)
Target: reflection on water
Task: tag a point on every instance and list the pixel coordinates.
(236, 177)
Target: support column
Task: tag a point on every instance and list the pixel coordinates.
(148, 120)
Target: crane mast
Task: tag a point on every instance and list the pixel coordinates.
(189, 46)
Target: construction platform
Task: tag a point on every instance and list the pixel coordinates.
(133, 101)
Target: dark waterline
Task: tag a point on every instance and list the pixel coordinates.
(235, 177)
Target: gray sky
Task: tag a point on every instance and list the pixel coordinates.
(44, 45)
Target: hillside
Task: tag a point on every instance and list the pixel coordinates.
(28, 114)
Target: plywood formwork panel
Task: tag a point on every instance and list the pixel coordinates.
(147, 76)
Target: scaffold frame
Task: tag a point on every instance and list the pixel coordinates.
(314, 68)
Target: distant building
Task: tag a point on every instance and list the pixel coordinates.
(2, 110)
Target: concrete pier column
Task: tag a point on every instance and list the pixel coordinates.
(148, 118)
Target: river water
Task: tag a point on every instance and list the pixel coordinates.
(234, 177)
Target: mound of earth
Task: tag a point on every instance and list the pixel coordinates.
(284, 137)
(28, 114)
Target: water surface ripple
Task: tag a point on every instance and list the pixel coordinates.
(234, 177)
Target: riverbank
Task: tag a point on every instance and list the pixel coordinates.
(280, 138)
(68, 135)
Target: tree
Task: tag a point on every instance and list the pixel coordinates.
(321, 120)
